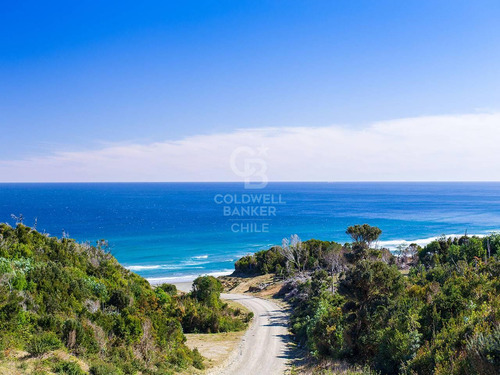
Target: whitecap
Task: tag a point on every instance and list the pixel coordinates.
(200, 257)
(393, 244)
(141, 268)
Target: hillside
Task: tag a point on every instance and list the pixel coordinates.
(58, 296)
(430, 310)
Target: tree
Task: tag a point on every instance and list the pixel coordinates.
(334, 260)
(207, 289)
(371, 290)
(407, 253)
(119, 299)
(363, 237)
(492, 244)
(412, 251)
(364, 234)
(401, 250)
(473, 249)
(293, 251)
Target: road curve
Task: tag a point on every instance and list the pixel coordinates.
(263, 349)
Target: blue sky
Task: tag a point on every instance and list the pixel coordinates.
(79, 76)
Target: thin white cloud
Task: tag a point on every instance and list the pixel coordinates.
(461, 147)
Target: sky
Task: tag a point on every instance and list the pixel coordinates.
(223, 90)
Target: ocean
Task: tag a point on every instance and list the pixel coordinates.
(175, 231)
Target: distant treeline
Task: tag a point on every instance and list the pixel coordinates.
(296, 256)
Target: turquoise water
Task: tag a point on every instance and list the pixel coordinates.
(176, 231)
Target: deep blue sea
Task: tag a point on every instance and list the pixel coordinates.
(176, 231)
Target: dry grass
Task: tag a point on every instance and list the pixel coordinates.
(215, 347)
(235, 305)
(271, 290)
(327, 367)
(243, 284)
(18, 362)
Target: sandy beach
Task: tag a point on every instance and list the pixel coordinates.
(184, 286)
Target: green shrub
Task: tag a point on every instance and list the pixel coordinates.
(68, 368)
(43, 343)
(49, 323)
(19, 282)
(163, 297)
(119, 299)
(104, 369)
(207, 289)
(198, 359)
(96, 287)
(169, 289)
(5, 266)
(73, 333)
(483, 351)
(249, 317)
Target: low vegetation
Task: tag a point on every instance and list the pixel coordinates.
(202, 310)
(58, 295)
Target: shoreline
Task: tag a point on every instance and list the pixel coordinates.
(391, 244)
(187, 279)
(184, 286)
(185, 282)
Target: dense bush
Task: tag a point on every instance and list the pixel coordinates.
(55, 293)
(204, 312)
(272, 261)
(262, 262)
(43, 343)
(443, 318)
(104, 369)
(68, 368)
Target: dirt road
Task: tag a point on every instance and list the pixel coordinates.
(263, 349)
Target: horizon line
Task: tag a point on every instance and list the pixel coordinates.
(242, 182)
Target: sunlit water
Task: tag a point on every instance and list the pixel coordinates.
(175, 231)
